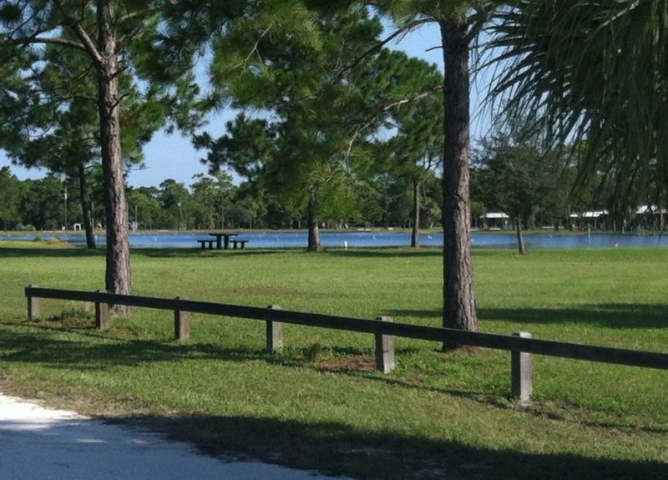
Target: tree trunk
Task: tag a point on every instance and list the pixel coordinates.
(118, 278)
(459, 308)
(520, 238)
(313, 230)
(86, 208)
(415, 237)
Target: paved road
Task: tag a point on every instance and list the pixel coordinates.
(42, 444)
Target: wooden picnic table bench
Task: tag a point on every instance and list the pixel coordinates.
(240, 243)
(205, 243)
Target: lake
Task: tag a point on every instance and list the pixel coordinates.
(366, 239)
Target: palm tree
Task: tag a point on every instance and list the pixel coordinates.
(592, 74)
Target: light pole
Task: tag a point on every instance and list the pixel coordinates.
(65, 195)
(180, 215)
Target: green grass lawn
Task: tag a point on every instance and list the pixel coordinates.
(437, 416)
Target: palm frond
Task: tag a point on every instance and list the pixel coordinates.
(592, 73)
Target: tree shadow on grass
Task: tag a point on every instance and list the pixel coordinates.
(386, 252)
(198, 252)
(36, 344)
(51, 252)
(344, 449)
(41, 348)
(606, 315)
(432, 316)
(78, 252)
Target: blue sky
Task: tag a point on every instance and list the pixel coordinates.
(172, 156)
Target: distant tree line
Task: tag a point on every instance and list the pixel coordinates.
(534, 187)
(212, 202)
(539, 187)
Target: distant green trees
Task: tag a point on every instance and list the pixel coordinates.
(209, 202)
(10, 199)
(520, 179)
(414, 152)
(502, 173)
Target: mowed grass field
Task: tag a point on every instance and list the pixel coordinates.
(436, 416)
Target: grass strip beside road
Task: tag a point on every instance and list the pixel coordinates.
(318, 403)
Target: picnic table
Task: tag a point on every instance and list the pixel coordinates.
(223, 239)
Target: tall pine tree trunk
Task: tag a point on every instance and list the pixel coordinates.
(312, 219)
(86, 207)
(415, 236)
(118, 278)
(459, 307)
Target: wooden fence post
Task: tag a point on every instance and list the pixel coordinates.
(181, 323)
(101, 314)
(274, 333)
(384, 349)
(34, 306)
(521, 372)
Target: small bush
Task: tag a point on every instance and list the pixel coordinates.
(25, 228)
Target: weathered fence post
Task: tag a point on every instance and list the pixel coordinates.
(101, 314)
(181, 322)
(521, 372)
(34, 306)
(274, 332)
(384, 349)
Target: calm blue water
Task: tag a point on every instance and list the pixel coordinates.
(375, 239)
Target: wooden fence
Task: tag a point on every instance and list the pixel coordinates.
(521, 345)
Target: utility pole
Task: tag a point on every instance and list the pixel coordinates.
(180, 215)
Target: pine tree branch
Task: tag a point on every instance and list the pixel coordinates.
(417, 96)
(383, 109)
(376, 48)
(87, 43)
(34, 39)
(138, 13)
(379, 46)
(257, 43)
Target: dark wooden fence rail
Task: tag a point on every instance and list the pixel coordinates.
(383, 328)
